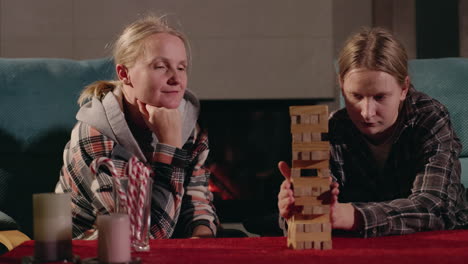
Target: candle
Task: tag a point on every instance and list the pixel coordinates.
(114, 238)
(52, 227)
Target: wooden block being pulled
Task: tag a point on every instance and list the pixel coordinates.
(310, 164)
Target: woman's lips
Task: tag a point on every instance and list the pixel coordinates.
(368, 124)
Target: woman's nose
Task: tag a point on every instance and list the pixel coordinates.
(174, 78)
(368, 109)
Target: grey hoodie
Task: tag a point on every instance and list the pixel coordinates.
(109, 119)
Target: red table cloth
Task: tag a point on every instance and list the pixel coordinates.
(425, 247)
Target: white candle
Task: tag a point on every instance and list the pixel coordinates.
(114, 238)
(52, 226)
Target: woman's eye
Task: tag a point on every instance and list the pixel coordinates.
(181, 68)
(159, 66)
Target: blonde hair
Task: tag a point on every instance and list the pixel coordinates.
(374, 49)
(128, 47)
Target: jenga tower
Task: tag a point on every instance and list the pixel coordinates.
(310, 176)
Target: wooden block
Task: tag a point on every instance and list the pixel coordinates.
(308, 210)
(307, 244)
(315, 227)
(306, 200)
(305, 155)
(307, 219)
(297, 138)
(295, 173)
(310, 164)
(313, 236)
(305, 119)
(294, 119)
(326, 227)
(316, 191)
(316, 128)
(302, 191)
(309, 109)
(299, 245)
(320, 155)
(317, 210)
(327, 244)
(317, 244)
(311, 146)
(324, 173)
(316, 136)
(295, 155)
(300, 228)
(306, 137)
(314, 119)
(323, 118)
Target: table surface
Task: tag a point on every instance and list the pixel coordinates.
(424, 247)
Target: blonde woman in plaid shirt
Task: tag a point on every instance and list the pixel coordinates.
(394, 154)
(147, 113)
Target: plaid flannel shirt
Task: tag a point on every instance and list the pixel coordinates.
(419, 188)
(180, 195)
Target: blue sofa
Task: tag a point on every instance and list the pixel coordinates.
(447, 81)
(37, 112)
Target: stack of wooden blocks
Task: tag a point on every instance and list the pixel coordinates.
(310, 176)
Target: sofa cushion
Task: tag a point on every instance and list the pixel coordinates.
(37, 112)
(446, 80)
(40, 94)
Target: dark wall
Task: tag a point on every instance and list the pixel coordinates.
(437, 33)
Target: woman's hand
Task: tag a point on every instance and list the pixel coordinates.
(202, 231)
(286, 195)
(343, 215)
(165, 123)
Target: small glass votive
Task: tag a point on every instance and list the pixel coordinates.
(114, 238)
(52, 227)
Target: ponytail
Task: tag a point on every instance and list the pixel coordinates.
(97, 89)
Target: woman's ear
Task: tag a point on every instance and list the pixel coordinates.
(405, 88)
(122, 73)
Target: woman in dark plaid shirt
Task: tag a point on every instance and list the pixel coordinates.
(394, 154)
(147, 113)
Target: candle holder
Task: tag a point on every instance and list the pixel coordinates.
(114, 240)
(52, 229)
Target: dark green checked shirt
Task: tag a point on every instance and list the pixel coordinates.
(419, 188)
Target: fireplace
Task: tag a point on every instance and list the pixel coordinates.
(247, 140)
